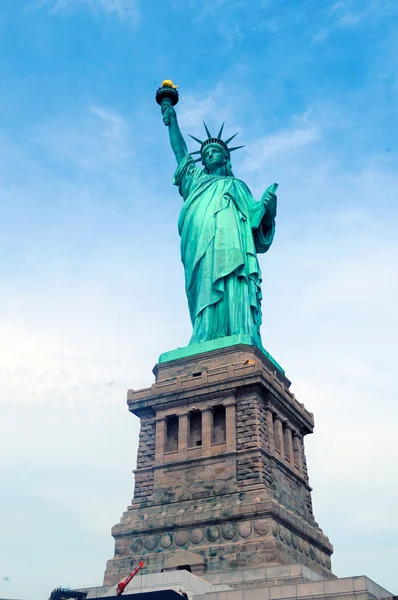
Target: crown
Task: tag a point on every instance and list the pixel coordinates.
(214, 140)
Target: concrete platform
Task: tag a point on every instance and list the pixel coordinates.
(172, 580)
(348, 588)
(286, 582)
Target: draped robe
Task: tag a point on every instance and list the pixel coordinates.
(222, 228)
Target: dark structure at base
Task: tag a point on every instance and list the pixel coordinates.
(161, 595)
(221, 482)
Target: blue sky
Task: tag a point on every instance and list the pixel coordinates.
(92, 287)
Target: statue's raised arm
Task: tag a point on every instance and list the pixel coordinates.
(177, 142)
(167, 97)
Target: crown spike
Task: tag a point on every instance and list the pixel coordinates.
(196, 152)
(209, 136)
(196, 139)
(231, 138)
(235, 148)
(221, 130)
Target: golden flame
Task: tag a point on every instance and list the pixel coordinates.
(169, 83)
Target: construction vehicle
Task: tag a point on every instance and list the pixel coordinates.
(123, 584)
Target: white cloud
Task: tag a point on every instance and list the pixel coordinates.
(99, 138)
(355, 13)
(278, 144)
(197, 108)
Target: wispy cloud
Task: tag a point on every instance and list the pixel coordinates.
(262, 150)
(123, 9)
(232, 18)
(97, 138)
(350, 14)
(197, 109)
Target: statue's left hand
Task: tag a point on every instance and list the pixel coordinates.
(269, 199)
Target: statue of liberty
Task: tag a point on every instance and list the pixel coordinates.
(222, 228)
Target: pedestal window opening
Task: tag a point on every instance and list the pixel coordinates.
(287, 442)
(218, 432)
(276, 432)
(195, 429)
(171, 440)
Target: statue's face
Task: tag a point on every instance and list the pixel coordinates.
(213, 157)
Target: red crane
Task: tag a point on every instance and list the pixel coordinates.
(123, 584)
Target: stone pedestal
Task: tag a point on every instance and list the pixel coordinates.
(221, 483)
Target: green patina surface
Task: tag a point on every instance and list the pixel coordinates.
(222, 229)
(218, 344)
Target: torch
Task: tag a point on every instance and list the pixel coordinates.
(167, 93)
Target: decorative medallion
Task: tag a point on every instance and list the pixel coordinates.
(261, 526)
(275, 528)
(228, 530)
(121, 547)
(301, 544)
(181, 537)
(151, 542)
(196, 536)
(294, 540)
(166, 540)
(245, 529)
(307, 548)
(136, 545)
(288, 536)
(213, 533)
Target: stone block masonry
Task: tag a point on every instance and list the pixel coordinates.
(221, 483)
